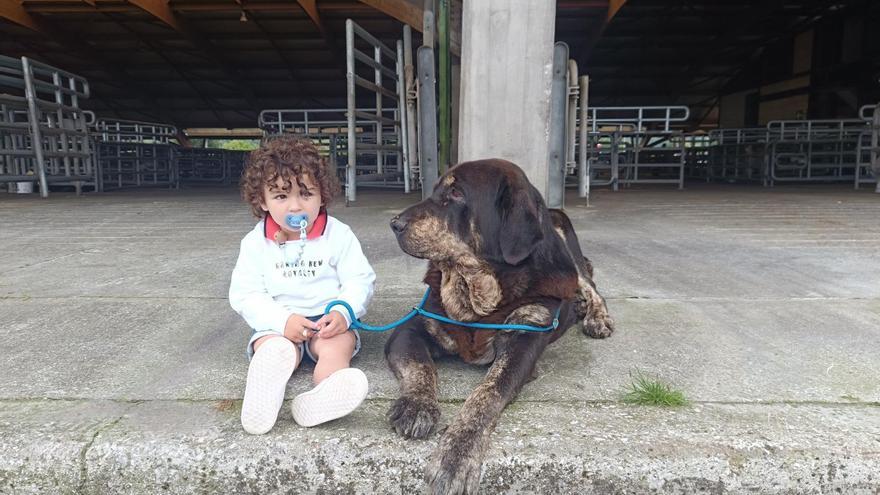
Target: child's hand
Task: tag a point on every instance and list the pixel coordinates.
(332, 324)
(299, 328)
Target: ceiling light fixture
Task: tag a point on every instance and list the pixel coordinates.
(243, 17)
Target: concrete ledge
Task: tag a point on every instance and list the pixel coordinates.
(198, 447)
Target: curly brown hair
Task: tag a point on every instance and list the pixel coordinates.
(289, 158)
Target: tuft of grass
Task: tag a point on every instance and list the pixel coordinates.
(646, 391)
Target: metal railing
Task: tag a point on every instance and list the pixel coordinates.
(813, 150)
(209, 165)
(382, 138)
(328, 130)
(574, 158)
(307, 121)
(698, 155)
(17, 156)
(636, 145)
(583, 173)
(133, 131)
(737, 154)
(868, 151)
(655, 118)
(133, 153)
(43, 130)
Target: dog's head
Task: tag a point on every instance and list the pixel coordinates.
(485, 208)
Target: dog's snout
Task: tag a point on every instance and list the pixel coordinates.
(398, 225)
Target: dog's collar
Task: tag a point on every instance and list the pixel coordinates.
(271, 227)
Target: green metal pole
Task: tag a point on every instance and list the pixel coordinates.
(445, 77)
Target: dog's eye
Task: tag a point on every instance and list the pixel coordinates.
(455, 194)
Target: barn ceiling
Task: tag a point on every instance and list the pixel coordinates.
(216, 63)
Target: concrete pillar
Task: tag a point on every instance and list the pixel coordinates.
(506, 70)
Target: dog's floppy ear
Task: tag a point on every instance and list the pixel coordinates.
(520, 223)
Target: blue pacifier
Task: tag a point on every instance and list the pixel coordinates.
(296, 221)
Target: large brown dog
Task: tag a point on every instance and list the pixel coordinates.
(497, 255)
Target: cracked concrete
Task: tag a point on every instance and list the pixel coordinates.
(123, 365)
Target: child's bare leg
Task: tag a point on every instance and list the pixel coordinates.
(333, 354)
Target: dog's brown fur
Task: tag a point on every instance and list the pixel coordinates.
(497, 255)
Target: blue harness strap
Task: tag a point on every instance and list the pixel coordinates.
(357, 324)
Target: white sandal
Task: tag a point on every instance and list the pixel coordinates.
(338, 395)
(269, 371)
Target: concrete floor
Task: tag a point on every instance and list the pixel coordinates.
(124, 366)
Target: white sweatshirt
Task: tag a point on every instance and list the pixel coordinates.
(268, 285)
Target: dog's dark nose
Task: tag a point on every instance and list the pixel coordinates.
(398, 225)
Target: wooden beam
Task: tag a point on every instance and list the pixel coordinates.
(613, 8)
(352, 8)
(312, 10)
(14, 11)
(213, 132)
(402, 10)
(160, 10)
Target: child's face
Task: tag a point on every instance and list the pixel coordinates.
(296, 201)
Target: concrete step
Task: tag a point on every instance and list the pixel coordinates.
(157, 446)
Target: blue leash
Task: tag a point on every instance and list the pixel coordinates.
(357, 324)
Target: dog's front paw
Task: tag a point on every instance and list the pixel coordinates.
(413, 416)
(455, 467)
(598, 327)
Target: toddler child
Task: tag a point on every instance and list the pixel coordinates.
(282, 282)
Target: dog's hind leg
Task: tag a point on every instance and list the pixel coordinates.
(455, 466)
(415, 413)
(589, 305)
